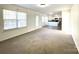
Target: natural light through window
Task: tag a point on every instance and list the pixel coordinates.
(21, 17)
(13, 19)
(44, 20)
(37, 20)
(9, 18)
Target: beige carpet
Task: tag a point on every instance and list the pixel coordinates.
(41, 41)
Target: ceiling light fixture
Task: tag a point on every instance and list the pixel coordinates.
(42, 5)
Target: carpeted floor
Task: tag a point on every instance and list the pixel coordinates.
(41, 41)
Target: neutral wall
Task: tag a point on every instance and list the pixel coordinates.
(50, 17)
(70, 23)
(66, 21)
(75, 24)
(55, 15)
(5, 34)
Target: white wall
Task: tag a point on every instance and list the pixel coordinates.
(15, 32)
(55, 15)
(75, 24)
(70, 23)
(50, 17)
(66, 21)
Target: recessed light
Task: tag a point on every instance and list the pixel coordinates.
(43, 5)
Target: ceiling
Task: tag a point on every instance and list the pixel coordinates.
(51, 9)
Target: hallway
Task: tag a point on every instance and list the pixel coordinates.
(44, 41)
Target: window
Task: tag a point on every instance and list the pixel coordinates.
(13, 19)
(9, 19)
(44, 20)
(37, 20)
(21, 17)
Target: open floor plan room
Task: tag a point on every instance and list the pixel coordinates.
(39, 29)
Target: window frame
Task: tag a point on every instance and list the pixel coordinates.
(14, 19)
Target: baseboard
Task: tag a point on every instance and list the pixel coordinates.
(76, 44)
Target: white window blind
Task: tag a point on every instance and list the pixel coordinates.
(9, 18)
(21, 17)
(13, 19)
